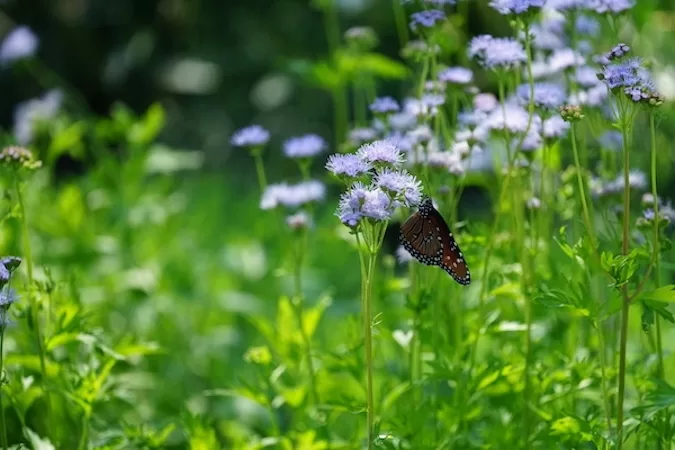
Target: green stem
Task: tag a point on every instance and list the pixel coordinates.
(625, 307)
(401, 23)
(5, 444)
(260, 169)
(603, 374)
(29, 271)
(582, 190)
(367, 328)
(85, 431)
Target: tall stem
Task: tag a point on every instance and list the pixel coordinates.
(85, 431)
(625, 307)
(260, 169)
(582, 190)
(5, 444)
(35, 317)
(367, 312)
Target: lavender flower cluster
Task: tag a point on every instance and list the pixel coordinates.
(377, 184)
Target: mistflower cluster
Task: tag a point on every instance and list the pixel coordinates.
(517, 7)
(361, 38)
(373, 196)
(456, 75)
(426, 19)
(497, 53)
(30, 114)
(637, 180)
(610, 6)
(629, 77)
(17, 158)
(19, 43)
(292, 195)
(384, 105)
(547, 96)
(251, 136)
(8, 265)
(306, 146)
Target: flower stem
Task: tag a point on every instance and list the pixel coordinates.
(29, 271)
(5, 444)
(401, 23)
(85, 431)
(582, 191)
(625, 307)
(260, 169)
(367, 329)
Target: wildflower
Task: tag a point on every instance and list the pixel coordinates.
(401, 185)
(649, 200)
(472, 135)
(348, 164)
(18, 158)
(292, 196)
(555, 127)
(19, 43)
(618, 51)
(444, 159)
(562, 5)
(426, 19)
(511, 118)
(304, 146)
(361, 202)
(361, 38)
(609, 6)
(517, 6)
(497, 53)
(384, 105)
(531, 143)
(402, 121)
(546, 95)
(456, 75)
(359, 136)
(611, 140)
(402, 255)
(586, 77)
(299, 221)
(563, 59)
(533, 203)
(485, 102)
(251, 136)
(29, 114)
(587, 25)
(380, 152)
(571, 113)
(7, 297)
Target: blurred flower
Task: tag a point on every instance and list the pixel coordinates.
(497, 53)
(531, 143)
(380, 152)
(611, 140)
(562, 5)
(347, 164)
(20, 43)
(362, 38)
(251, 136)
(292, 196)
(618, 51)
(401, 185)
(402, 255)
(417, 50)
(546, 95)
(299, 221)
(17, 158)
(384, 105)
(305, 146)
(586, 76)
(555, 127)
(426, 19)
(587, 25)
(359, 136)
(517, 6)
(563, 59)
(402, 121)
(456, 75)
(533, 203)
(609, 6)
(485, 102)
(29, 114)
(510, 117)
(7, 297)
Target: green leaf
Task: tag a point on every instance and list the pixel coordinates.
(663, 294)
(62, 339)
(144, 132)
(382, 66)
(393, 395)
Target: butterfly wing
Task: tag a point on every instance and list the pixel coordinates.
(427, 237)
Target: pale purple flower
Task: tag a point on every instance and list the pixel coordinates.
(610, 6)
(586, 77)
(426, 19)
(380, 152)
(361, 202)
(347, 164)
(384, 105)
(402, 255)
(358, 136)
(512, 118)
(517, 6)
(562, 5)
(402, 186)
(299, 221)
(251, 136)
(305, 146)
(292, 195)
(546, 95)
(29, 114)
(497, 53)
(531, 143)
(485, 102)
(19, 43)
(402, 121)
(7, 297)
(533, 203)
(564, 58)
(456, 75)
(611, 140)
(587, 25)
(555, 127)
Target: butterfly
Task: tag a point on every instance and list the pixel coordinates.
(427, 237)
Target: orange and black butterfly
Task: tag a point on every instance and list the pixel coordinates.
(428, 239)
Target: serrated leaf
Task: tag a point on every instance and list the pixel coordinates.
(662, 294)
